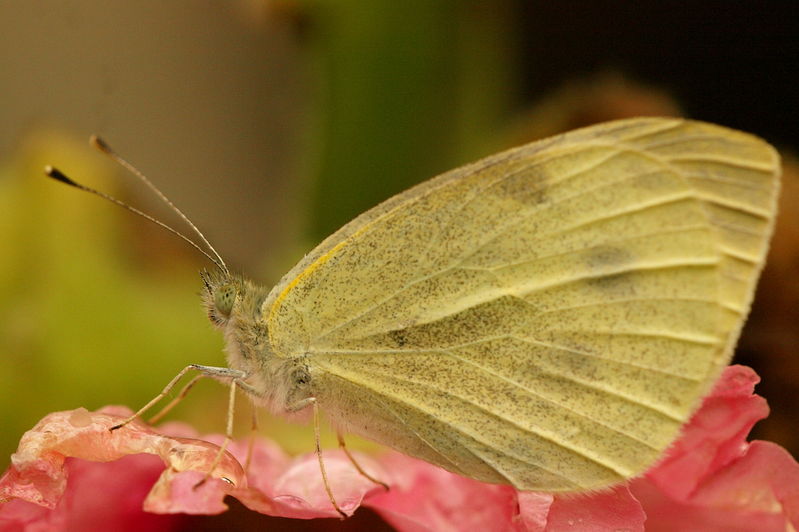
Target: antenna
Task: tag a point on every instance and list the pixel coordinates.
(60, 176)
(101, 145)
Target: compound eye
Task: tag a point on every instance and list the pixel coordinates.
(224, 298)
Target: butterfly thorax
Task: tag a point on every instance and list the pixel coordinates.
(235, 305)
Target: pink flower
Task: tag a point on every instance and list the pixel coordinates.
(69, 469)
(713, 479)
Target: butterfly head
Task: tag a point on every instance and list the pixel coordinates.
(221, 296)
(235, 306)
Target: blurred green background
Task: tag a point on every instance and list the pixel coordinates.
(273, 123)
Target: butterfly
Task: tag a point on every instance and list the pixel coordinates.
(547, 317)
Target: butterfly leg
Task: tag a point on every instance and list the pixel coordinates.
(234, 382)
(311, 401)
(206, 371)
(355, 463)
(181, 395)
(251, 443)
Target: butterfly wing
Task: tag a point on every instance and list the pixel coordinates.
(547, 317)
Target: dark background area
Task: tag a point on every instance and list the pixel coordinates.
(735, 63)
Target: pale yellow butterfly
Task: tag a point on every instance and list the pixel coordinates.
(547, 317)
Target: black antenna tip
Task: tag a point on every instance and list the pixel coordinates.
(56, 174)
(100, 144)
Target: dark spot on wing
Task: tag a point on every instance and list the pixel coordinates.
(398, 336)
(616, 283)
(606, 258)
(527, 185)
(609, 269)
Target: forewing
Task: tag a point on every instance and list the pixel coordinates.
(548, 316)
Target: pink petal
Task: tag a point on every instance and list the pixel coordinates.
(713, 479)
(534, 509)
(426, 498)
(37, 472)
(612, 510)
(759, 491)
(297, 490)
(666, 514)
(714, 436)
(100, 497)
(765, 479)
(280, 486)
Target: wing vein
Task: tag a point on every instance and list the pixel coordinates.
(613, 302)
(678, 140)
(458, 264)
(455, 467)
(765, 168)
(618, 470)
(460, 260)
(518, 385)
(413, 351)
